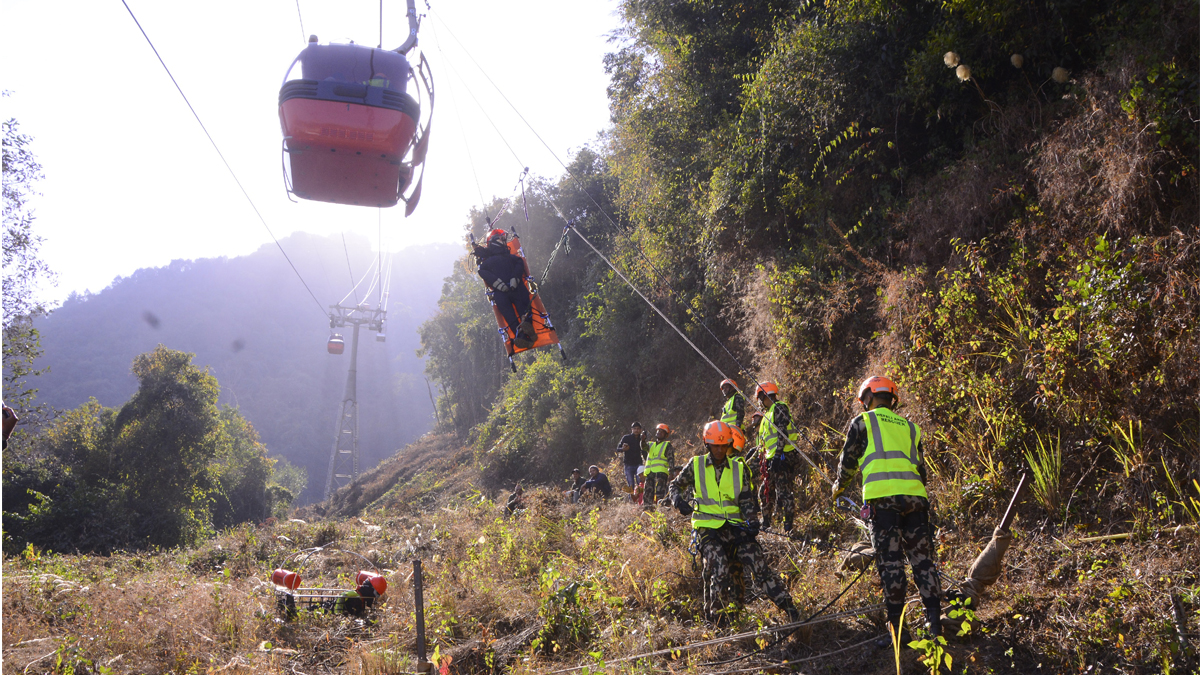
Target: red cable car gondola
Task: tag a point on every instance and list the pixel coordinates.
(350, 127)
(336, 344)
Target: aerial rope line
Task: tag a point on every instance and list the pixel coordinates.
(224, 161)
(656, 274)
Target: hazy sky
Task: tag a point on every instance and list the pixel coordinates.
(131, 181)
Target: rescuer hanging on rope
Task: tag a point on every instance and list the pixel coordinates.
(660, 461)
(780, 455)
(896, 505)
(505, 274)
(725, 520)
(734, 409)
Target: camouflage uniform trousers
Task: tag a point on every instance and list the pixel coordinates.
(900, 526)
(782, 498)
(719, 549)
(656, 487)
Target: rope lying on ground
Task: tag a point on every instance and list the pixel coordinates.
(733, 638)
(793, 662)
(785, 636)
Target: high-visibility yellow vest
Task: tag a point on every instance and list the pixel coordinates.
(770, 439)
(889, 466)
(717, 503)
(656, 458)
(729, 413)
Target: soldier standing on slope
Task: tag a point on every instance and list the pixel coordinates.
(660, 461)
(897, 505)
(725, 518)
(777, 445)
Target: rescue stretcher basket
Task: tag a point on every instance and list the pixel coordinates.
(292, 598)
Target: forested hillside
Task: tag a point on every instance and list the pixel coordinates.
(251, 322)
(994, 204)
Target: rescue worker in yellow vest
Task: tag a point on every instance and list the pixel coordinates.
(734, 409)
(779, 454)
(725, 520)
(888, 449)
(660, 461)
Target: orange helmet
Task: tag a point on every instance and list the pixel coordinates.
(718, 433)
(496, 234)
(664, 428)
(728, 382)
(766, 388)
(879, 385)
(739, 439)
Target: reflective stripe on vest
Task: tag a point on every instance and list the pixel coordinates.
(656, 458)
(716, 503)
(889, 466)
(729, 413)
(770, 437)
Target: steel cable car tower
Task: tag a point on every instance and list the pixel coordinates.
(343, 458)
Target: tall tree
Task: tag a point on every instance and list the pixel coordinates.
(23, 269)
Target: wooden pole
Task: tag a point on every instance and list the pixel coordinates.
(1009, 513)
(423, 666)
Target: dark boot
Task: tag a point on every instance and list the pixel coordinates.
(787, 524)
(933, 616)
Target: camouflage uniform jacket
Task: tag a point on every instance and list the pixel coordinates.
(685, 484)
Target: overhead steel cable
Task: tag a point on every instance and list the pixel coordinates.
(346, 250)
(370, 269)
(461, 127)
(303, 35)
(688, 340)
(656, 276)
(222, 156)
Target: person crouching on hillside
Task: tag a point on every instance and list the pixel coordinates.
(576, 480)
(726, 519)
(889, 450)
(596, 484)
(660, 461)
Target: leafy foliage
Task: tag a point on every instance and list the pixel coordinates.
(163, 470)
(23, 269)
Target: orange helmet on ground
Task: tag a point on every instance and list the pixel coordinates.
(664, 428)
(766, 388)
(879, 385)
(495, 234)
(718, 433)
(728, 382)
(739, 440)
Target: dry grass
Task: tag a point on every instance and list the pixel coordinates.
(487, 589)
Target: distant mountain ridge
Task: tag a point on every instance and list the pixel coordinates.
(251, 321)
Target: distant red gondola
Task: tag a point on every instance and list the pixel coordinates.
(336, 344)
(350, 127)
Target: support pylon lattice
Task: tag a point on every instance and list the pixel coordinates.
(343, 460)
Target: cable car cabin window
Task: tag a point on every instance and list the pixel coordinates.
(353, 65)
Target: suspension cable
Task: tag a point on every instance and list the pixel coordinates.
(303, 35)
(656, 274)
(360, 281)
(354, 287)
(462, 127)
(693, 346)
(246, 194)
